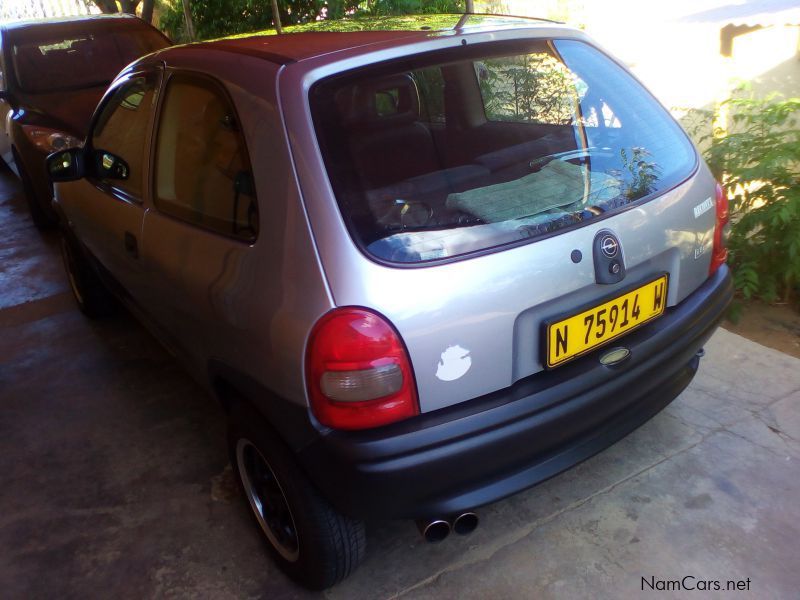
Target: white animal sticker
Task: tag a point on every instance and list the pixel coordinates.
(454, 363)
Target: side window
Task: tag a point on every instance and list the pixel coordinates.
(530, 88)
(121, 128)
(387, 102)
(203, 174)
(430, 84)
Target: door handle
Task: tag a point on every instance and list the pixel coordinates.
(131, 245)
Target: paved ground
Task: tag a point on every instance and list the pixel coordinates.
(115, 479)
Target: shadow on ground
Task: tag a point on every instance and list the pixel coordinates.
(116, 484)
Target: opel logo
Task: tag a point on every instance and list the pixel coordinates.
(610, 246)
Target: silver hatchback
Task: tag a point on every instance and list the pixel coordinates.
(422, 271)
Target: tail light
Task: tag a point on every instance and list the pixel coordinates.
(721, 230)
(358, 371)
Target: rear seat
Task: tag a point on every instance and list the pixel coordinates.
(432, 187)
(394, 153)
(396, 156)
(514, 162)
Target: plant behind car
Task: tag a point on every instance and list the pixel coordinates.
(758, 162)
(217, 18)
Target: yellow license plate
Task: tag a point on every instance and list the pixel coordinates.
(576, 335)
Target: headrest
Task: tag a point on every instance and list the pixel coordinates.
(388, 100)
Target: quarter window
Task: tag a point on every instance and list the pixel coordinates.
(528, 88)
(122, 126)
(203, 175)
(430, 84)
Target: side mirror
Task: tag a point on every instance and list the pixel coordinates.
(109, 166)
(66, 165)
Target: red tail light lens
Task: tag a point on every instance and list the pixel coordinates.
(721, 229)
(358, 371)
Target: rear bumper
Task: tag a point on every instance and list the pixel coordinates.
(483, 450)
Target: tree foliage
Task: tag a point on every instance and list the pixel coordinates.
(413, 7)
(126, 6)
(758, 163)
(535, 88)
(218, 18)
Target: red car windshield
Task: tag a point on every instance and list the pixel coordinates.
(52, 63)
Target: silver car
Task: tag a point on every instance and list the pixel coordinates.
(421, 270)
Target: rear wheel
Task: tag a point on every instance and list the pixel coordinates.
(309, 540)
(92, 297)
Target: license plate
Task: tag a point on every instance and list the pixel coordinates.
(580, 333)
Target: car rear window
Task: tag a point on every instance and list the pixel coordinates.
(51, 63)
(437, 156)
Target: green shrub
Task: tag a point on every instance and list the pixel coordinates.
(218, 18)
(757, 160)
(415, 7)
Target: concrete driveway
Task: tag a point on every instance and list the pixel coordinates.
(115, 480)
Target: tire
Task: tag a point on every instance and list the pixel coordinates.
(45, 219)
(311, 542)
(92, 297)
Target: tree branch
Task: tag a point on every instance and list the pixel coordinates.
(107, 6)
(147, 10)
(129, 6)
(277, 16)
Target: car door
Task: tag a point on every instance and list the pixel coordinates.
(106, 209)
(198, 237)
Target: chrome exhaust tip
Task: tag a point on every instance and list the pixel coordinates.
(434, 531)
(465, 523)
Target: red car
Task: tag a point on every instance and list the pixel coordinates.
(53, 73)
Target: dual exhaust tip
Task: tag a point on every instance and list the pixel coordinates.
(436, 530)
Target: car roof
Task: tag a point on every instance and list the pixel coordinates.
(58, 21)
(295, 47)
